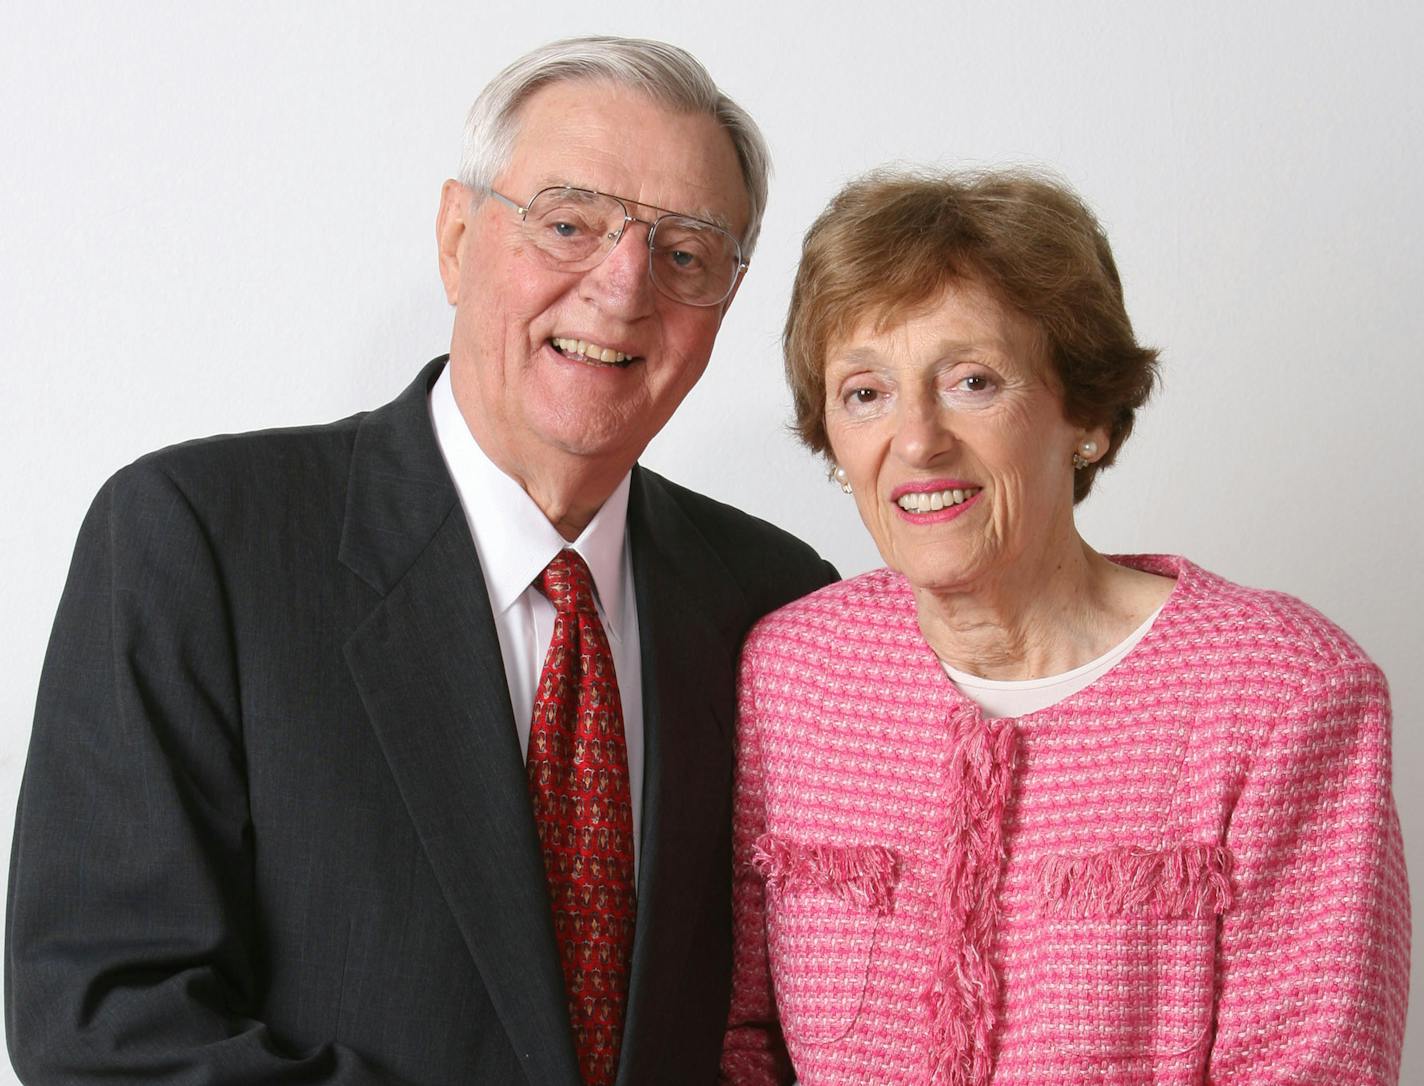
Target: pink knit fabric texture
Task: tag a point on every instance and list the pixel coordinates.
(1188, 872)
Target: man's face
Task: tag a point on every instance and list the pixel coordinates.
(537, 408)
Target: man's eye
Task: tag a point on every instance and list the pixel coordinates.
(683, 260)
(565, 229)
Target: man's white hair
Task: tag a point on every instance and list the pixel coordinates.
(664, 73)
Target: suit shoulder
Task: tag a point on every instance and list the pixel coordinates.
(224, 457)
(250, 490)
(243, 471)
(772, 565)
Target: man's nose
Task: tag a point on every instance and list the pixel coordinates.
(622, 281)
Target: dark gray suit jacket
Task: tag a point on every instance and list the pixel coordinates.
(274, 826)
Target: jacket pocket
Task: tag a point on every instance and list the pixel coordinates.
(1122, 954)
(825, 905)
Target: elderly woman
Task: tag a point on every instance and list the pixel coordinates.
(1010, 809)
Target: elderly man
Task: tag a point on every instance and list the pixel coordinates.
(398, 750)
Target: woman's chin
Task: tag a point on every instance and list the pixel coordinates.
(935, 568)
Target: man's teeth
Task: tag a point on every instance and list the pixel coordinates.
(591, 351)
(928, 501)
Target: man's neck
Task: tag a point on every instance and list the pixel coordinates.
(568, 489)
(569, 503)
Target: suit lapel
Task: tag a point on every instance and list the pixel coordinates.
(427, 664)
(690, 617)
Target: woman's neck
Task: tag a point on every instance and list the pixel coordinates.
(1035, 619)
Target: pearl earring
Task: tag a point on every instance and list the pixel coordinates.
(839, 475)
(1083, 453)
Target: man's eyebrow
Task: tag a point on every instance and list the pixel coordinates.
(706, 214)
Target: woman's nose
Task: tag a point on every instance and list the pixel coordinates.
(922, 432)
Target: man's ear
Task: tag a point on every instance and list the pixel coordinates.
(451, 223)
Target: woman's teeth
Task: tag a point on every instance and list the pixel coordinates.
(591, 351)
(928, 501)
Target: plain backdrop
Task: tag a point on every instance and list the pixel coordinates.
(219, 217)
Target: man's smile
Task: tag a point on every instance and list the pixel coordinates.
(580, 350)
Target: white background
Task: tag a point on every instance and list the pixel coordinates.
(218, 217)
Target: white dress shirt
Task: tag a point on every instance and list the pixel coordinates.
(515, 541)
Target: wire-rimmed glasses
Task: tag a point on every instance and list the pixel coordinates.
(690, 260)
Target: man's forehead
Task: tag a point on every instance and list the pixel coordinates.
(610, 138)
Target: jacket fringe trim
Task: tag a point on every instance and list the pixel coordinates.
(962, 998)
(1185, 880)
(862, 875)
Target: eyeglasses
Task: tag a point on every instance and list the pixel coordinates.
(689, 260)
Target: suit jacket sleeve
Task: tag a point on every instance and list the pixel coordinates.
(754, 1051)
(132, 942)
(1313, 964)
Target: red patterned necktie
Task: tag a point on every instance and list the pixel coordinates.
(578, 782)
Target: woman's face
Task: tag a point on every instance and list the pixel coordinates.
(950, 429)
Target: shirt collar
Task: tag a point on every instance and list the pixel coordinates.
(513, 538)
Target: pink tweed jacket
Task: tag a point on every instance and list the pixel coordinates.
(1188, 872)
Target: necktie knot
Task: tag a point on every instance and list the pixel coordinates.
(568, 584)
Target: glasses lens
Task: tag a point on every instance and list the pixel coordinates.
(573, 227)
(690, 260)
(694, 261)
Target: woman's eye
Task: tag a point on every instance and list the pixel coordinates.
(862, 401)
(860, 395)
(859, 398)
(974, 385)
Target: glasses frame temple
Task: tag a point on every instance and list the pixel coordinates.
(512, 205)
